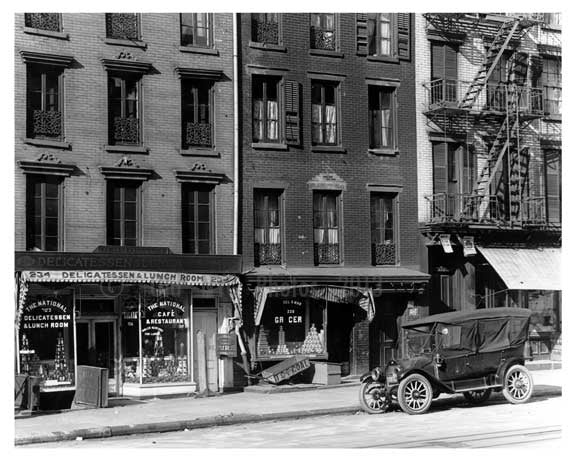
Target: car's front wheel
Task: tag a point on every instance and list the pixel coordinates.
(373, 397)
(415, 394)
(478, 397)
(518, 385)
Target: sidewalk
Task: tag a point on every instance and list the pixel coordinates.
(158, 415)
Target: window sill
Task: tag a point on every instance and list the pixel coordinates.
(199, 152)
(269, 146)
(267, 46)
(127, 149)
(327, 53)
(391, 59)
(126, 42)
(46, 33)
(198, 50)
(329, 149)
(384, 152)
(48, 143)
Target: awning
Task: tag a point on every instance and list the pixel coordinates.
(362, 297)
(526, 268)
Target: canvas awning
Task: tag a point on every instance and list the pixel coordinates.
(362, 297)
(526, 268)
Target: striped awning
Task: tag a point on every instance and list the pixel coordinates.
(526, 268)
(347, 295)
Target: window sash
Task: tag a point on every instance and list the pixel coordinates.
(326, 217)
(382, 117)
(380, 34)
(195, 29)
(43, 213)
(382, 219)
(267, 218)
(123, 214)
(196, 219)
(324, 114)
(265, 110)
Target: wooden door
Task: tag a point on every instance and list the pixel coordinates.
(207, 322)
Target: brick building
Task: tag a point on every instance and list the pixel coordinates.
(124, 189)
(489, 97)
(328, 222)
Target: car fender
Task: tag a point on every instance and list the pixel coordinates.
(366, 376)
(505, 365)
(439, 385)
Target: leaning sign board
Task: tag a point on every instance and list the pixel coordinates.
(286, 369)
(92, 386)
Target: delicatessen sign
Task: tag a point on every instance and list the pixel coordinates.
(46, 313)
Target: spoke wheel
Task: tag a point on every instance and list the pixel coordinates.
(478, 397)
(373, 398)
(518, 385)
(415, 394)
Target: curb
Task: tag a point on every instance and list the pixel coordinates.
(171, 426)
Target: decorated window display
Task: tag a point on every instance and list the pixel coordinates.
(46, 343)
(131, 341)
(292, 326)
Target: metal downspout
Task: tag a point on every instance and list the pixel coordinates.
(236, 147)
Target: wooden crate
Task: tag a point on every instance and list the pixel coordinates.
(326, 373)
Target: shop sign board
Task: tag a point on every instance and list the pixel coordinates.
(46, 313)
(226, 344)
(165, 312)
(286, 369)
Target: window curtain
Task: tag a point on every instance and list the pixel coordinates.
(384, 35)
(385, 127)
(257, 119)
(331, 124)
(317, 123)
(272, 119)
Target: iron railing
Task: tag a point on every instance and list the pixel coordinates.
(125, 130)
(321, 39)
(264, 31)
(198, 134)
(446, 93)
(43, 21)
(384, 253)
(268, 253)
(122, 26)
(326, 253)
(46, 123)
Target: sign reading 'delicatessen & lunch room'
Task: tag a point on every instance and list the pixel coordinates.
(46, 313)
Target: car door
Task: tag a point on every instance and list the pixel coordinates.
(457, 351)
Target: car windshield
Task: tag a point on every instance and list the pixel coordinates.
(419, 342)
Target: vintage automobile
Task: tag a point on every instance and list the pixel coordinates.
(474, 352)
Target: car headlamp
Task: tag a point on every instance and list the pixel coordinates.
(376, 373)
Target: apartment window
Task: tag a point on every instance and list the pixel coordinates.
(551, 82)
(382, 212)
(44, 102)
(43, 21)
(265, 109)
(380, 34)
(196, 113)
(326, 227)
(324, 113)
(195, 29)
(42, 212)
(553, 186)
(382, 107)
(323, 31)
(123, 214)
(123, 109)
(123, 26)
(265, 28)
(196, 219)
(553, 19)
(267, 228)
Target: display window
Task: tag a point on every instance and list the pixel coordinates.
(291, 326)
(46, 341)
(156, 338)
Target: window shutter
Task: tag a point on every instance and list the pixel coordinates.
(292, 111)
(403, 25)
(520, 69)
(440, 167)
(451, 62)
(362, 34)
(553, 175)
(437, 52)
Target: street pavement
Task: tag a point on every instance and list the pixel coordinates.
(165, 415)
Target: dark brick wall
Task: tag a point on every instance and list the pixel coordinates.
(357, 168)
(85, 108)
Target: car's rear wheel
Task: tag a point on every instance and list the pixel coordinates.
(478, 397)
(518, 385)
(415, 394)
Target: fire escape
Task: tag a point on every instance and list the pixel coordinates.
(494, 118)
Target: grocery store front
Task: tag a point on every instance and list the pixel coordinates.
(154, 331)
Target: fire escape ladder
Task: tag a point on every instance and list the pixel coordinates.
(493, 55)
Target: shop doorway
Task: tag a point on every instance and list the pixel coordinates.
(340, 325)
(96, 345)
(205, 321)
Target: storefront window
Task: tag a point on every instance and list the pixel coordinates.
(130, 340)
(47, 341)
(292, 326)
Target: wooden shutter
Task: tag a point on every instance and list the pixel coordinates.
(439, 159)
(292, 112)
(444, 61)
(553, 178)
(437, 54)
(520, 69)
(362, 34)
(451, 62)
(403, 25)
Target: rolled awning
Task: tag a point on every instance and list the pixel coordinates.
(363, 297)
(526, 268)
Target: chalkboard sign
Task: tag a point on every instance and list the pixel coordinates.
(226, 344)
